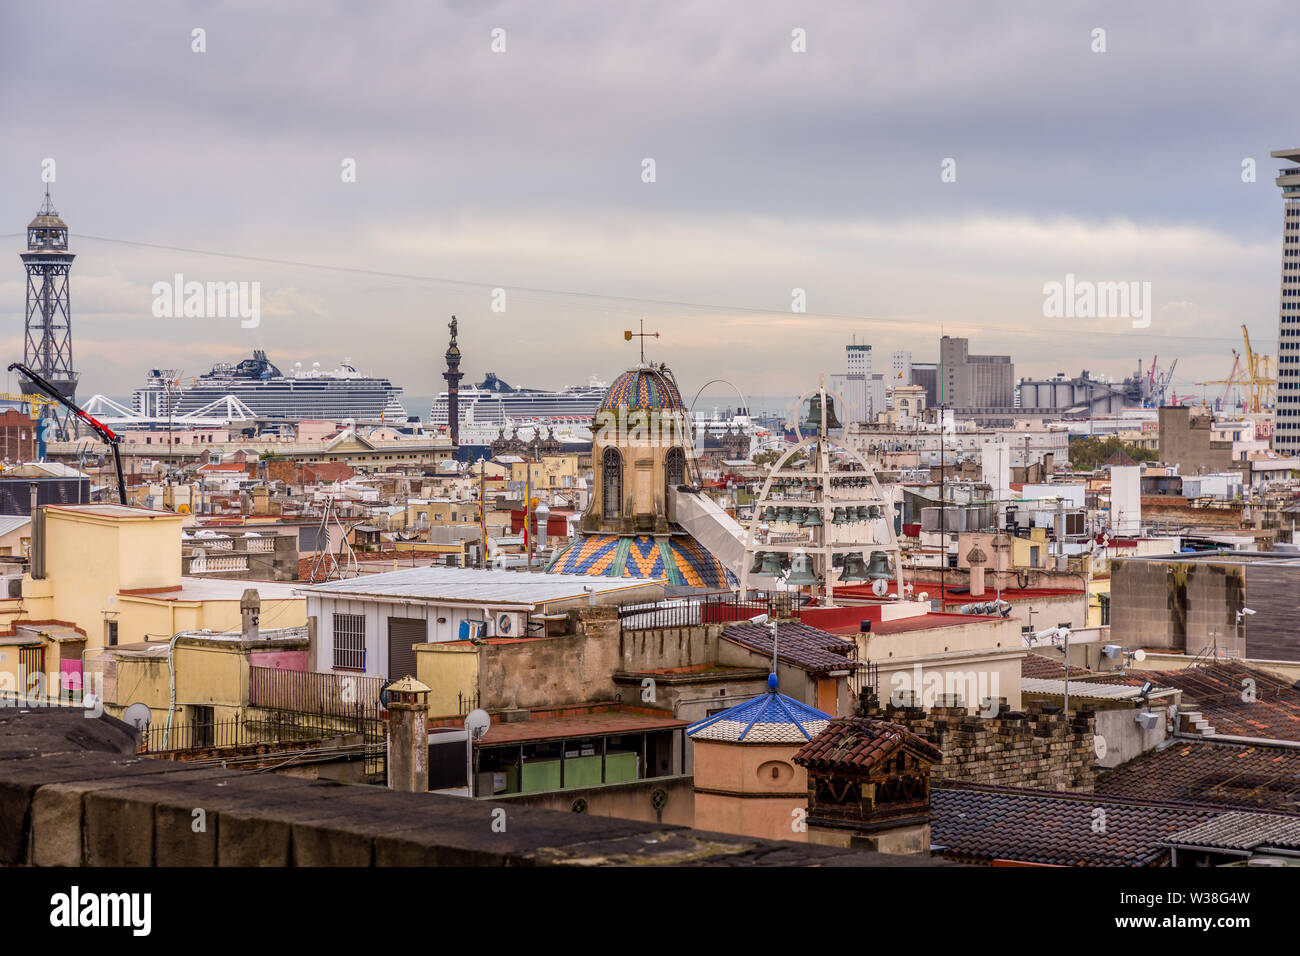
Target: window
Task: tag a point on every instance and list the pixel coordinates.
(675, 467)
(350, 641)
(111, 637)
(611, 483)
(202, 725)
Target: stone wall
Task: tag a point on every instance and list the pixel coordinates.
(551, 671)
(1035, 749)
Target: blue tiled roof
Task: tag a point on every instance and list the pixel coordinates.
(768, 718)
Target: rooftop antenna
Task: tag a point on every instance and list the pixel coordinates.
(629, 335)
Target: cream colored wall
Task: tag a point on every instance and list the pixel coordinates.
(643, 439)
(750, 804)
(206, 675)
(550, 472)
(90, 557)
(449, 670)
(975, 660)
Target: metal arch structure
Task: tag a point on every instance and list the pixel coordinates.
(739, 394)
(690, 420)
(229, 407)
(101, 406)
(47, 338)
(826, 503)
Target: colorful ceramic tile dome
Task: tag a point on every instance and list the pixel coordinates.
(679, 558)
(644, 388)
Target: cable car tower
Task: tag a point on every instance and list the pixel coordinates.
(47, 344)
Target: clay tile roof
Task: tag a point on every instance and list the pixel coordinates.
(980, 825)
(1242, 831)
(1036, 665)
(1271, 709)
(1209, 774)
(860, 743)
(811, 648)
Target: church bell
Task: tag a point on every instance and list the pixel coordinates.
(801, 574)
(878, 569)
(813, 423)
(854, 567)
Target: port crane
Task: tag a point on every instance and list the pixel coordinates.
(1256, 376)
(107, 434)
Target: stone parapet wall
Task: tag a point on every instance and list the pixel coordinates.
(1035, 749)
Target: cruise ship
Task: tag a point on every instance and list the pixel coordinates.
(493, 402)
(254, 388)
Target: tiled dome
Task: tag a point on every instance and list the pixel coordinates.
(679, 558)
(770, 718)
(644, 388)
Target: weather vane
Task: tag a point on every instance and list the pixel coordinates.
(642, 335)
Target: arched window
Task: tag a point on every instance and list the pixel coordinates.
(675, 467)
(611, 483)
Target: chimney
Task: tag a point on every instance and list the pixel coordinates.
(36, 557)
(977, 559)
(408, 735)
(250, 614)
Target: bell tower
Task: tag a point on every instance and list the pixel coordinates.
(47, 344)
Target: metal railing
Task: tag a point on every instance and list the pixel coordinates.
(708, 609)
(274, 730)
(315, 692)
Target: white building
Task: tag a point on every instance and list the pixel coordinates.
(370, 624)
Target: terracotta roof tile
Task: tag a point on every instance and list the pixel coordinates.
(811, 648)
(1209, 774)
(983, 824)
(860, 743)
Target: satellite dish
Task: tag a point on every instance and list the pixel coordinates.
(1099, 746)
(1139, 655)
(477, 724)
(138, 715)
(879, 587)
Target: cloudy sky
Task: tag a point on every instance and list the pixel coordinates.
(774, 170)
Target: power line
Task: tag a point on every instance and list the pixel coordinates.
(596, 297)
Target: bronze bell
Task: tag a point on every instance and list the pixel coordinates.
(839, 517)
(813, 423)
(863, 512)
(771, 565)
(769, 514)
(783, 513)
(873, 512)
(801, 574)
(796, 515)
(854, 567)
(878, 569)
(757, 566)
(813, 518)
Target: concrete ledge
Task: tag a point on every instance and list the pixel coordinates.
(100, 808)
